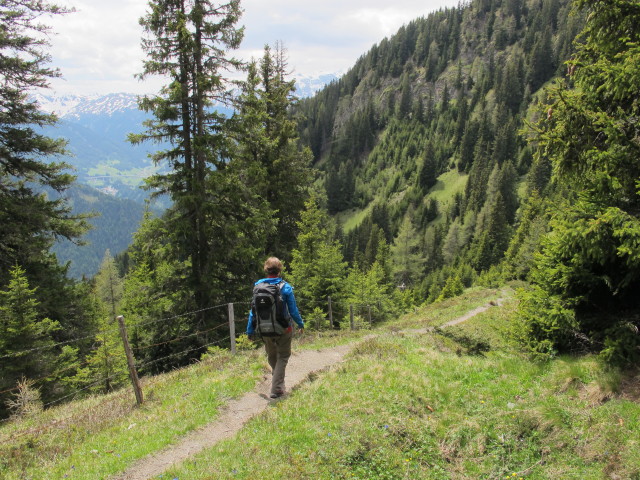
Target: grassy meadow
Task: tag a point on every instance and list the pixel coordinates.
(453, 403)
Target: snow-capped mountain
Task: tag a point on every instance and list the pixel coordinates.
(308, 86)
(75, 106)
(96, 128)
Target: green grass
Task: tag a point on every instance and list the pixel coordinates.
(436, 314)
(131, 177)
(415, 406)
(405, 407)
(101, 435)
(350, 219)
(449, 183)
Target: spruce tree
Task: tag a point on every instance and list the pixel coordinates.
(268, 145)
(31, 219)
(25, 338)
(188, 43)
(318, 269)
(588, 275)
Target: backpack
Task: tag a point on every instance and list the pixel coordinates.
(269, 310)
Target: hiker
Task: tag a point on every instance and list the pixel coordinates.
(272, 310)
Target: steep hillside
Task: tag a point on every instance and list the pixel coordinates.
(445, 97)
(113, 227)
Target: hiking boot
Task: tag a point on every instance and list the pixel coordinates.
(277, 394)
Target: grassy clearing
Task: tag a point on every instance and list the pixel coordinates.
(350, 219)
(449, 183)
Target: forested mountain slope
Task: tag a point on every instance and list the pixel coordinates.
(445, 97)
(115, 221)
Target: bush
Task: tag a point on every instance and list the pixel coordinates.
(243, 342)
(544, 324)
(621, 345)
(26, 401)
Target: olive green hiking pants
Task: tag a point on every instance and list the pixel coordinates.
(278, 353)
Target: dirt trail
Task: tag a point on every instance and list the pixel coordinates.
(238, 412)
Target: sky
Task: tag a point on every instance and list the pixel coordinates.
(97, 48)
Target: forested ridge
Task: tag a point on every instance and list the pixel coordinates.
(476, 146)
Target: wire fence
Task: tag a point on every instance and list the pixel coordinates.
(333, 316)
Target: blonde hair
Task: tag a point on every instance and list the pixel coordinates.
(273, 266)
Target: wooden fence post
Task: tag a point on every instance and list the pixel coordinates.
(232, 329)
(370, 321)
(351, 317)
(330, 313)
(133, 374)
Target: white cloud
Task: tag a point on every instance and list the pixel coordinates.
(98, 48)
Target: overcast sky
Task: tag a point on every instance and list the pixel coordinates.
(97, 48)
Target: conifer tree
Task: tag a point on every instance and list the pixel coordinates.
(318, 269)
(25, 338)
(428, 172)
(30, 219)
(109, 284)
(407, 259)
(590, 261)
(188, 43)
(105, 368)
(268, 144)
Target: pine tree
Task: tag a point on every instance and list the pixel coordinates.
(428, 174)
(109, 284)
(187, 42)
(590, 261)
(25, 338)
(105, 368)
(31, 220)
(407, 259)
(267, 136)
(404, 106)
(318, 269)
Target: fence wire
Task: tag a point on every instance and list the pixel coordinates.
(340, 312)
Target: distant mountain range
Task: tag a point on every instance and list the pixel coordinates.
(96, 128)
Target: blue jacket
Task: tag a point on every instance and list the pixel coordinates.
(288, 299)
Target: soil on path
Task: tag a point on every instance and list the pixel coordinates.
(238, 412)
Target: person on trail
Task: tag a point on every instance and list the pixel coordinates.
(277, 341)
